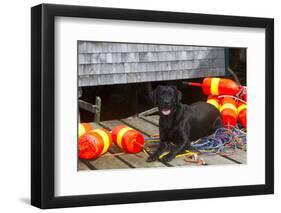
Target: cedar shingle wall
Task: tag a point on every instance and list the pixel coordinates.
(101, 63)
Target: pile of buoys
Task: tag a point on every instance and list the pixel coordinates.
(92, 143)
(127, 139)
(228, 97)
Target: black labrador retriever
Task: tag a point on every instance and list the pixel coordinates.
(180, 123)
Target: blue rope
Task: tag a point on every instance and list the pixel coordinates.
(223, 141)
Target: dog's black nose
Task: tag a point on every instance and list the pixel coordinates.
(166, 102)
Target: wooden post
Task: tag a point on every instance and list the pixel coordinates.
(79, 92)
(98, 109)
(95, 109)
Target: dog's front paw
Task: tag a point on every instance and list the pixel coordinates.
(168, 158)
(151, 158)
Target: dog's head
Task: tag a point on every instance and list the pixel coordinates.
(166, 98)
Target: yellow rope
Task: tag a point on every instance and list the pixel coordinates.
(186, 154)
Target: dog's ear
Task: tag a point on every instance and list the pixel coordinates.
(178, 94)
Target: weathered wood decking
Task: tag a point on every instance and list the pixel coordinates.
(148, 126)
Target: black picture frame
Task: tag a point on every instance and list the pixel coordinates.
(42, 105)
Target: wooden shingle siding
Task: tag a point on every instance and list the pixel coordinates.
(106, 79)
(161, 66)
(105, 47)
(97, 58)
(101, 63)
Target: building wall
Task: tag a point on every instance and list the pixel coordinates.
(103, 63)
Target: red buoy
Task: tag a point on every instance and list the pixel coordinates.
(94, 143)
(83, 128)
(228, 112)
(218, 86)
(212, 99)
(242, 113)
(127, 139)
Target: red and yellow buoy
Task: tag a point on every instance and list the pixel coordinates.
(218, 86)
(83, 128)
(242, 113)
(128, 139)
(228, 112)
(94, 143)
(214, 100)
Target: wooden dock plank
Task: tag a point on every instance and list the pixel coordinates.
(154, 119)
(142, 126)
(82, 166)
(136, 160)
(96, 125)
(110, 124)
(108, 162)
(240, 156)
(215, 160)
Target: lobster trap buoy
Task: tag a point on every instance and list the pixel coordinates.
(218, 86)
(228, 112)
(242, 113)
(94, 143)
(83, 128)
(128, 139)
(214, 100)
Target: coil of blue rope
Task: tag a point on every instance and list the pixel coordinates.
(224, 141)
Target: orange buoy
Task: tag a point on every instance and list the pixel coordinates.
(242, 113)
(228, 112)
(212, 99)
(94, 143)
(83, 128)
(218, 86)
(128, 139)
